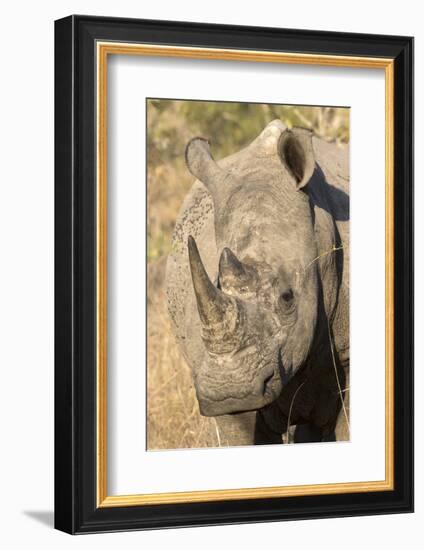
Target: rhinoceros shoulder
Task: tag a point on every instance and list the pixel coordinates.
(333, 160)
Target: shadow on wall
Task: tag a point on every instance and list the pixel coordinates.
(45, 517)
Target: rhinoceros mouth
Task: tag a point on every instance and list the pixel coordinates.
(232, 405)
(217, 405)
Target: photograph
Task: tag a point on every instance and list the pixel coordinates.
(247, 274)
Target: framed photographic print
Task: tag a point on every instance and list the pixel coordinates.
(234, 266)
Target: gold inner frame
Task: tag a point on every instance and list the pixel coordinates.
(104, 49)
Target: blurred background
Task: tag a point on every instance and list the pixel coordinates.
(173, 419)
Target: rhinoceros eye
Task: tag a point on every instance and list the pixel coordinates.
(286, 302)
(287, 296)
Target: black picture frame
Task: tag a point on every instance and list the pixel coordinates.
(76, 508)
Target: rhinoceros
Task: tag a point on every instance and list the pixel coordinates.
(258, 287)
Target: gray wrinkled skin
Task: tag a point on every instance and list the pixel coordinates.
(258, 288)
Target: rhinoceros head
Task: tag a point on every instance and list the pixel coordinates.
(258, 318)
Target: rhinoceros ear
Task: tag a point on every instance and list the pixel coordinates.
(201, 164)
(297, 154)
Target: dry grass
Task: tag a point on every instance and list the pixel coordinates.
(167, 186)
(173, 419)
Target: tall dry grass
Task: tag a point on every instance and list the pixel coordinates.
(173, 419)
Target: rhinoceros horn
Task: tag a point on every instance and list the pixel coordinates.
(222, 317)
(212, 303)
(229, 265)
